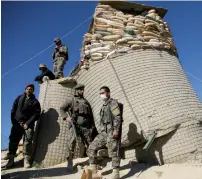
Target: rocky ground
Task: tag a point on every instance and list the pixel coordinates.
(128, 170)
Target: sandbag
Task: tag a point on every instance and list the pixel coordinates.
(152, 11)
(147, 38)
(95, 45)
(149, 33)
(123, 40)
(134, 42)
(106, 42)
(96, 55)
(103, 6)
(96, 58)
(131, 27)
(135, 46)
(102, 25)
(96, 36)
(123, 49)
(103, 33)
(116, 24)
(98, 49)
(112, 37)
(104, 52)
(138, 23)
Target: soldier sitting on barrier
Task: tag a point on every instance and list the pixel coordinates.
(44, 72)
(78, 112)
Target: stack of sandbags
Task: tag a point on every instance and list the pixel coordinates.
(116, 31)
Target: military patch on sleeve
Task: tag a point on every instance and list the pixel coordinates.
(116, 111)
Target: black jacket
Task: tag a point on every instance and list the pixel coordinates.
(27, 112)
(45, 73)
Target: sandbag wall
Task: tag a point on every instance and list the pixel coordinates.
(52, 133)
(114, 31)
(151, 84)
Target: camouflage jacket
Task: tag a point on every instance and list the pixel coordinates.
(111, 115)
(59, 52)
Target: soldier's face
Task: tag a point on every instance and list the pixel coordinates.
(80, 92)
(104, 95)
(29, 91)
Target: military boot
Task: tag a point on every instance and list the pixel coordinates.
(10, 162)
(27, 160)
(115, 174)
(70, 164)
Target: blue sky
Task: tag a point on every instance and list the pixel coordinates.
(29, 27)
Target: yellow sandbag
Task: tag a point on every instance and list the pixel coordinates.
(118, 17)
(150, 24)
(153, 40)
(123, 40)
(104, 52)
(102, 25)
(131, 27)
(130, 24)
(116, 20)
(139, 26)
(131, 18)
(147, 38)
(100, 28)
(139, 22)
(134, 42)
(106, 42)
(112, 37)
(149, 33)
(116, 24)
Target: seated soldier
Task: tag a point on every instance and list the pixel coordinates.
(44, 72)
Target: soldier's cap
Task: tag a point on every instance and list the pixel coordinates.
(79, 86)
(56, 39)
(42, 66)
(30, 85)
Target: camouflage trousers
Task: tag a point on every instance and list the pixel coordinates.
(58, 67)
(104, 139)
(17, 132)
(84, 134)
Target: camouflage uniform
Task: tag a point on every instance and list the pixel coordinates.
(60, 56)
(111, 121)
(84, 122)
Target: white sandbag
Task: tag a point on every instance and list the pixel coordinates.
(135, 46)
(104, 52)
(154, 44)
(131, 19)
(153, 40)
(134, 42)
(96, 58)
(103, 33)
(87, 52)
(94, 41)
(88, 35)
(128, 38)
(102, 20)
(112, 37)
(106, 42)
(98, 49)
(96, 55)
(141, 20)
(151, 21)
(110, 46)
(153, 15)
(139, 26)
(140, 17)
(123, 49)
(95, 45)
(152, 11)
(118, 21)
(150, 24)
(96, 36)
(118, 17)
(123, 40)
(116, 24)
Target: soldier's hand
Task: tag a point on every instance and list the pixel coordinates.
(25, 126)
(69, 119)
(115, 134)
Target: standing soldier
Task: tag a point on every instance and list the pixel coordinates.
(26, 110)
(81, 123)
(60, 56)
(111, 123)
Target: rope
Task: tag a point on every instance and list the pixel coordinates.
(194, 77)
(9, 71)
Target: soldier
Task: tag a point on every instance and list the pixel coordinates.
(60, 56)
(111, 123)
(44, 72)
(25, 111)
(82, 117)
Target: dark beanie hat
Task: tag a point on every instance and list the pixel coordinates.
(30, 85)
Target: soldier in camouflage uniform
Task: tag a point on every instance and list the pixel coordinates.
(111, 122)
(82, 117)
(60, 56)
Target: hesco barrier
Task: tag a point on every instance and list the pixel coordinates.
(51, 131)
(156, 96)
